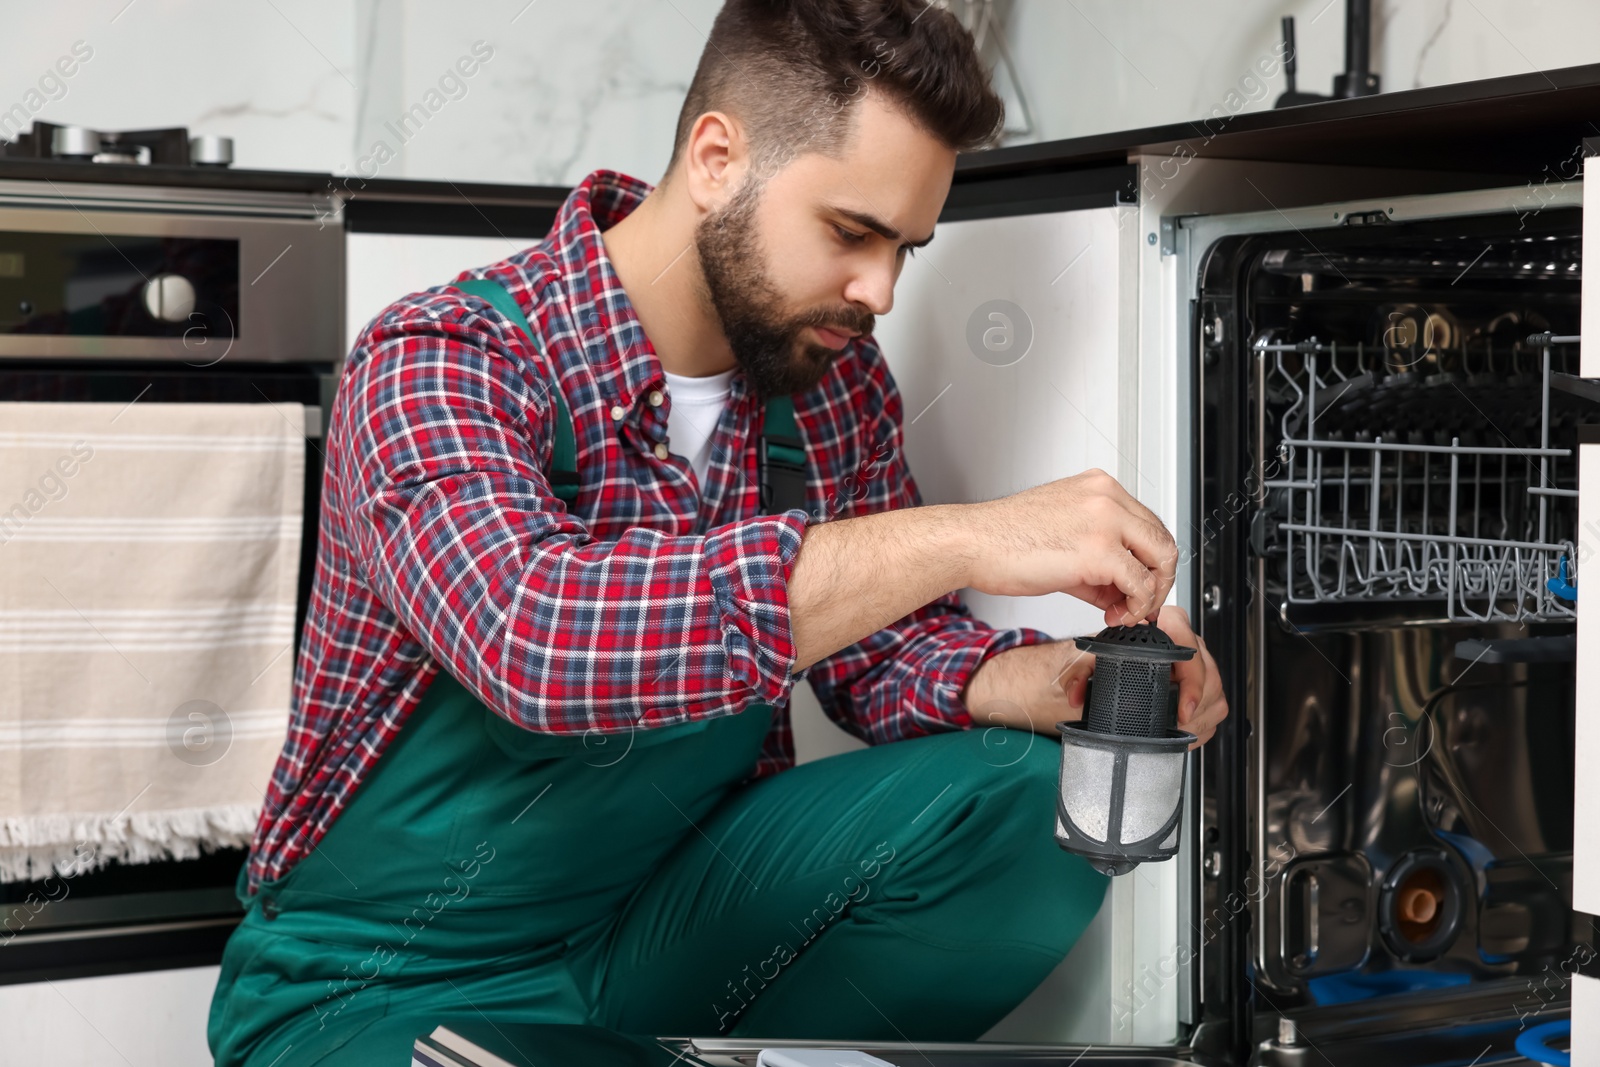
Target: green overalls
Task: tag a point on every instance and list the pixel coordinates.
(905, 891)
(641, 883)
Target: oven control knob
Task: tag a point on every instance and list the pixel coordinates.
(169, 298)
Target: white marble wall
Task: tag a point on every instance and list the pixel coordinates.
(570, 87)
(1099, 65)
(576, 84)
(275, 76)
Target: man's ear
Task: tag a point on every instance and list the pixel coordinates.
(716, 159)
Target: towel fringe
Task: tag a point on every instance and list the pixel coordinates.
(33, 847)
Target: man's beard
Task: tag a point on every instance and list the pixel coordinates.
(766, 342)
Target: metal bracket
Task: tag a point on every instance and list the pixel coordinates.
(1369, 218)
(1169, 235)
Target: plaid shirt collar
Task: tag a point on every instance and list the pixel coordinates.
(631, 369)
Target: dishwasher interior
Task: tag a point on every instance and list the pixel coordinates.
(1387, 503)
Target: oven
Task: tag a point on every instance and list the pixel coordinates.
(141, 294)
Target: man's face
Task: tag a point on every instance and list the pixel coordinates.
(798, 265)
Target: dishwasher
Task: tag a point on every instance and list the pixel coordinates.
(1388, 405)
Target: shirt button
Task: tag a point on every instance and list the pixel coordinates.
(656, 398)
(617, 411)
(661, 451)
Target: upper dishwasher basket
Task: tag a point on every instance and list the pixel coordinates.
(1392, 485)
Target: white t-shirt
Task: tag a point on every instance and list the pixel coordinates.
(697, 405)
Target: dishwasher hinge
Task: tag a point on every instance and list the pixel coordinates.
(1169, 232)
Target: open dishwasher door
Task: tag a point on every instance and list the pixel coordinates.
(1586, 740)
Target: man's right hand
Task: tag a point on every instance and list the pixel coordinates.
(1086, 536)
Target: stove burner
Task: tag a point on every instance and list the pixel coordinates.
(170, 147)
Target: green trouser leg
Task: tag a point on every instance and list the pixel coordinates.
(907, 891)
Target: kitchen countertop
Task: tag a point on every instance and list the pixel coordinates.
(1514, 125)
(270, 181)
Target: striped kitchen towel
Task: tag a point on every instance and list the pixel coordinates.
(148, 564)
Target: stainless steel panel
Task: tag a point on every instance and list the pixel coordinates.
(1383, 750)
(234, 203)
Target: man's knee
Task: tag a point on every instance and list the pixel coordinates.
(1050, 894)
(1003, 782)
(1016, 759)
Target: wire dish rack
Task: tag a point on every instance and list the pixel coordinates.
(1394, 485)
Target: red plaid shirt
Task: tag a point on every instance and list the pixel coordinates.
(643, 605)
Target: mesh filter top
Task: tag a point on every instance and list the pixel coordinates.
(1132, 673)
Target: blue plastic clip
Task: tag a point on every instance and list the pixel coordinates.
(1560, 586)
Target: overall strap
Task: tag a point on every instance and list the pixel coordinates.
(563, 473)
(781, 454)
(782, 457)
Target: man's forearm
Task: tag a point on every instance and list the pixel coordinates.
(855, 576)
(1019, 688)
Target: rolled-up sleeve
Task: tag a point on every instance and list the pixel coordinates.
(749, 565)
(555, 630)
(907, 679)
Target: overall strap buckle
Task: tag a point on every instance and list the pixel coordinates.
(782, 458)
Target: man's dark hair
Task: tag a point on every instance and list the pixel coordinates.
(792, 71)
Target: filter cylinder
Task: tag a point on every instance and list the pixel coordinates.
(1123, 765)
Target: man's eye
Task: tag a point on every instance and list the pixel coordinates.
(849, 236)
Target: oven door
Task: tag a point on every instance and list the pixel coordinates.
(196, 277)
(123, 296)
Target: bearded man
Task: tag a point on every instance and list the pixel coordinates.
(589, 515)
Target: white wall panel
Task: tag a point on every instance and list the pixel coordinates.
(1585, 1021)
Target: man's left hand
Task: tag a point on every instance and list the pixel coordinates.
(1012, 688)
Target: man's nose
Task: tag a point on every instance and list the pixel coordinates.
(872, 289)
